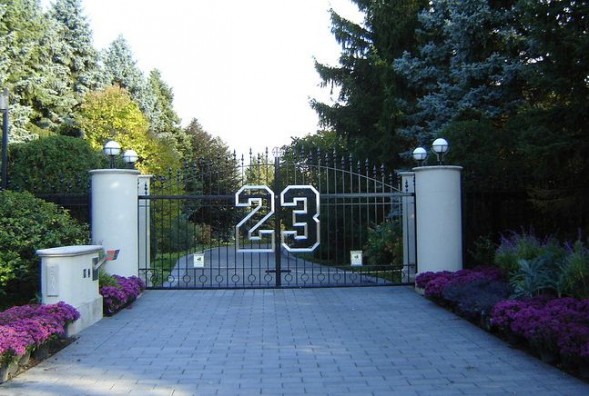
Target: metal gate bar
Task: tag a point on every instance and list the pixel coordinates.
(193, 246)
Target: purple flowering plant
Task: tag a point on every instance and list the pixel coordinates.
(435, 283)
(545, 322)
(25, 327)
(12, 344)
(423, 279)
(122, 293)
(560, 325)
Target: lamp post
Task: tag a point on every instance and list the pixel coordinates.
(440, 147)
(419, 155)
(4, 108)
(130, 157)
(112, 149)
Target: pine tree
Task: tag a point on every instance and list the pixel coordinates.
(77, 53)
(216, 165)
(38, 96)
(369, 109)
(461, 69)
(554, 122)
(120, 68)
(169, 122)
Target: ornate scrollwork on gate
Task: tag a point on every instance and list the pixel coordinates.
(255, 233)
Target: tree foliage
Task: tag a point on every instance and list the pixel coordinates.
(215, 161)
(461, 69)
(54, 162)
(39, 97)
(77, 53)
(370, 106)
(111, 114)
(120, 68)
(507, 81)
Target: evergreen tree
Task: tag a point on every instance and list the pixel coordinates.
(77, 53)
(216, 161)
(461, 69)
(38, 95)
(120, 68)
(371, 96)
(553, 124)
(169, 122)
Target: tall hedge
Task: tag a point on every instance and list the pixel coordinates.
(26, 225)
(53, 164)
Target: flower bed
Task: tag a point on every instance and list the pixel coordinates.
(120, 292)
(28, 328)
(544, 325)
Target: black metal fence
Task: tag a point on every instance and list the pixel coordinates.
(71, 193)
(312, 221)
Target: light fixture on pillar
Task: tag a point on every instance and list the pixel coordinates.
(419, 155)
(440, 147)
(277, 152)
(130, 157)
(4, 109)
(112, 149)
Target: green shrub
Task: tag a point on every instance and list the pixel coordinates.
(544, 266)
(26, 225)
(53, 164)
(105, 279)
(574, 279)
(182, 235)
(385, 244)
(483, 252)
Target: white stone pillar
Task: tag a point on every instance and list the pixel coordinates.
(408, 206)
(439, 218)
(143, 188)
(115, 217)
(67, 274)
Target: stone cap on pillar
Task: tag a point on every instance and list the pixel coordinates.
(114, 171)
(437, 167)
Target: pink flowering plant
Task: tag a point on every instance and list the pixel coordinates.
(11, 345)
(26, 327)
(118, 292)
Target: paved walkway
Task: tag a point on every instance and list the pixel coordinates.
(361, 341)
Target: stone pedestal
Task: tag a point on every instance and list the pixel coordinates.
(67, 275)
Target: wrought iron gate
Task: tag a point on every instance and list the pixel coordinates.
(297, 221)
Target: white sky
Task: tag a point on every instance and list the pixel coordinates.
(244, 69)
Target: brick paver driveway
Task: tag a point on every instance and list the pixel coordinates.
(354, 341)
